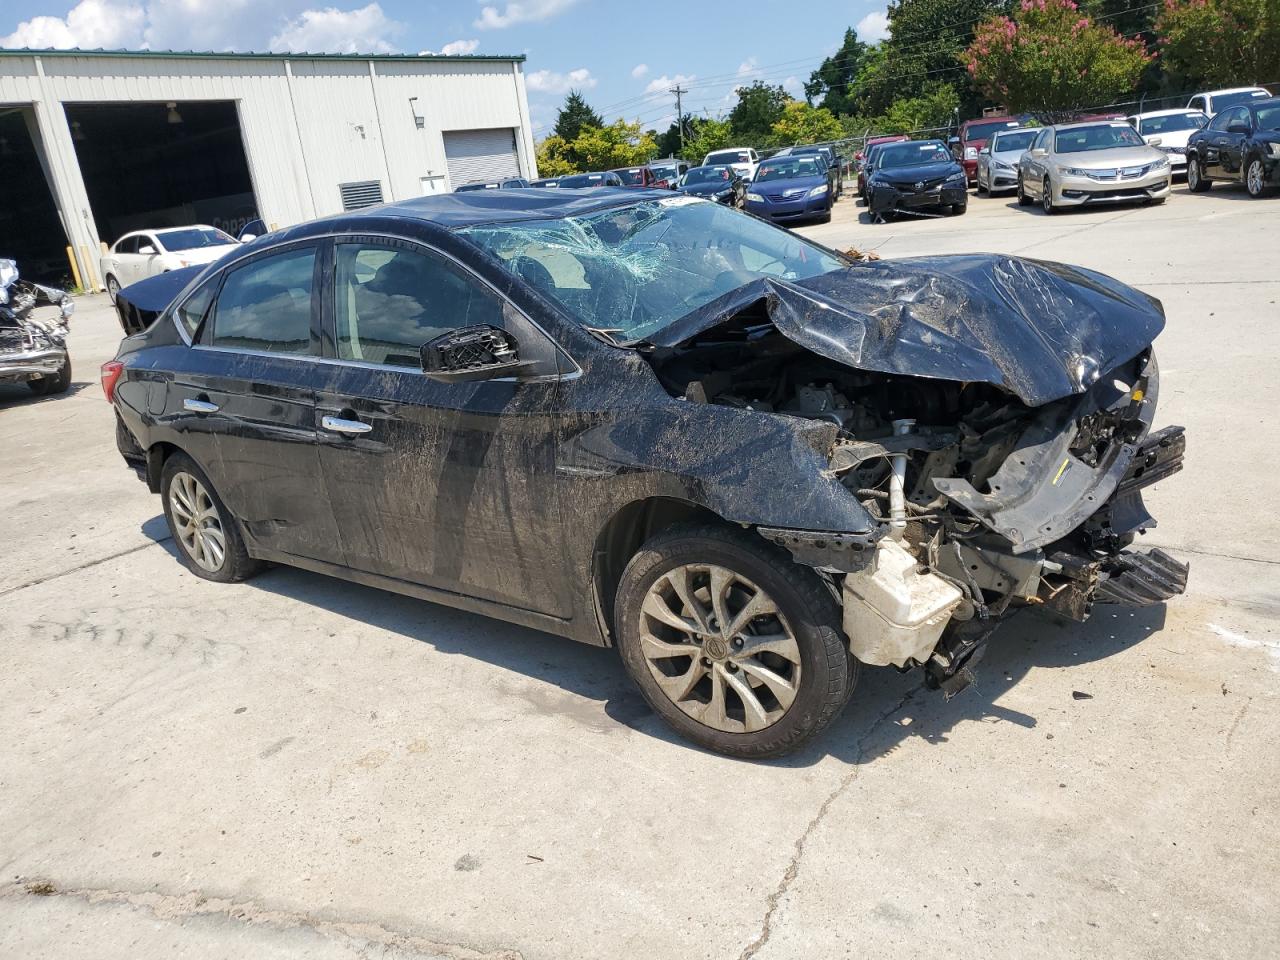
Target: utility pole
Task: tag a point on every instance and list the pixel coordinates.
(679, 91)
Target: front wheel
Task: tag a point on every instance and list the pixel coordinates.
(1196, 180)
(1255, 180)
(1023, 199)
(58, 382)
(1046, 197)
(113, 287)
(732, 643)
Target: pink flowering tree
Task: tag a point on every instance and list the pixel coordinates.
(1220, 42)
(1051, 60)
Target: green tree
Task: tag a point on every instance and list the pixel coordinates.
(801, 123)
(554, 157)
(831, 81)
(1221, 41)
(758, 108)
(708, 135)
(669, 139)
(934, 109)
(1051, 60)
(619, 144)
(573, 116)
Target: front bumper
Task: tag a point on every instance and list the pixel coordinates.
(29, 364)
(1002, 178)
(783, 209)
(1072, 191)
(886, 198)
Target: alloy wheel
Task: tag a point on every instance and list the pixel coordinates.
(1254, 179)
(196, 522)
(113, 288)
(719, 648)
(1046, 196)
(1193, 173)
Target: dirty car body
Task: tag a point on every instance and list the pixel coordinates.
(651, 421)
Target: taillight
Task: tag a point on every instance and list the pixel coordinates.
(111, 371)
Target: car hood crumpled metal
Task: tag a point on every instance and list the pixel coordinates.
(1040, 330)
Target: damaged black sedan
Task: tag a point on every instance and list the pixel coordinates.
(649, 421)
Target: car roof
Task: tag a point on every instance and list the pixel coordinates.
(451, 210)
(1214, 93)
(1181, 111)
(1093, 123)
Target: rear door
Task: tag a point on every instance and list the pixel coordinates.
(450, 485)
(1231, 153)
(245, 398)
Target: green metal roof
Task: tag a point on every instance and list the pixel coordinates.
(252, 55)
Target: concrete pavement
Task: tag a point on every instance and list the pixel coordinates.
(297, 766)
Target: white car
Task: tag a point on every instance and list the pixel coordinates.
(744, 160)
(998, 160)
(1169, 130)
(1215, 101)
(147, 253)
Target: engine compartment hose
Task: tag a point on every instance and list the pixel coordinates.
(897, 483)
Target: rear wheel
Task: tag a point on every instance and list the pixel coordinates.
(731, 642)
(1255, 179)
(207, 535)
(1196, 180)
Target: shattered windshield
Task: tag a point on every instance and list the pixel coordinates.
(636, 269)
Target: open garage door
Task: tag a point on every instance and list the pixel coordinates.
(31, 231)
(481, 155)
(154, 165)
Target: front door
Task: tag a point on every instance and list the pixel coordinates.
(1216, 142)
(450, 485)
(245, 398)
(1232, 151)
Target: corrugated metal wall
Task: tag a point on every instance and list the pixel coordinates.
(308, 124)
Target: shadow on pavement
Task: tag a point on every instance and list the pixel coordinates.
(870, 727)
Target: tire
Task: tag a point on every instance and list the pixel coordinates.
(1046, 198)
(1023, 199)
(201, 500)
(958, 209)
(1197, 182)
(113, 287)
(1255, 177)
(808, 661)
(978, 188)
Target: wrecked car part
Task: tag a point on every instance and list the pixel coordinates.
(33, 350)
(894, 610)
(898, 476)
(1140, 579)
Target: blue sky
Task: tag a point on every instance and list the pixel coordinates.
(622, 55)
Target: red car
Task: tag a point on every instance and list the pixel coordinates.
(976, 134)
(636, 176)
(861, 154)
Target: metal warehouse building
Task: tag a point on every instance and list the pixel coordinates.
(94, 144)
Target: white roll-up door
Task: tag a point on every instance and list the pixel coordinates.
(481, 155)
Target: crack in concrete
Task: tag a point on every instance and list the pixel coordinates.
(175, 908)
(83, 566)
(793, 865)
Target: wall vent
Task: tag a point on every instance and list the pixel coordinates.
(366, 193)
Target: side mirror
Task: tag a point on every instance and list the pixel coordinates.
(984, 152)
(1039, 152)
(953, 140)
(247, 237)
(147, 250)
(1155, 141)
(1239, 128)
(481, 352)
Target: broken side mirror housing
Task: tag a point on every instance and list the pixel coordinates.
(480, 352)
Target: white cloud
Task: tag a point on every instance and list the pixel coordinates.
(793, 86)
(459, 47)
(366, 30)
(873, 28)
(491, 18)
(548, 81)
(89, 24)
(639, 70)
(749, 68)
(664, 83)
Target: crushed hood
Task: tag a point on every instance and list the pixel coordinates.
(1040, 330)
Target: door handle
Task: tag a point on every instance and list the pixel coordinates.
(339, 425)
(193, 405)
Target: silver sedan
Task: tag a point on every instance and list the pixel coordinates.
(1074, 164)
(998, 161)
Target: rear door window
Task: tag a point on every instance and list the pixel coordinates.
(266, 304)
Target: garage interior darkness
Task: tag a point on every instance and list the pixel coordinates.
(30, 230)
(154, 165)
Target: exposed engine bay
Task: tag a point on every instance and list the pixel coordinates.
(33, 349)
(982, 504)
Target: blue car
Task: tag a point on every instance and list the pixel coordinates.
(791, 188)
